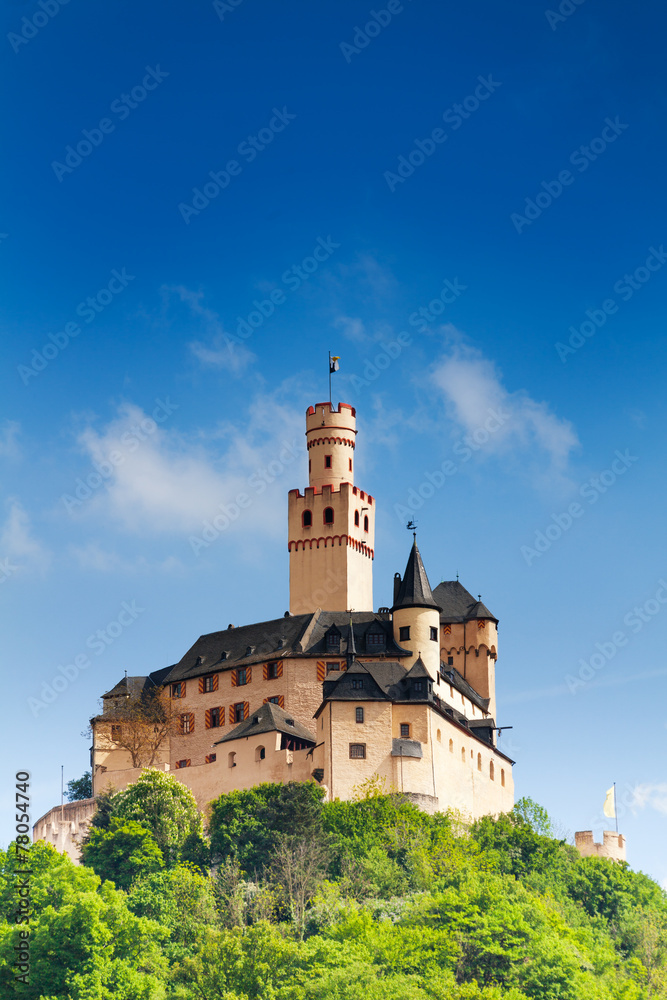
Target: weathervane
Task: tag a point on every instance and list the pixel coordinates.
(412, 526)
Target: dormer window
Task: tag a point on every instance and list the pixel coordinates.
(358, 684)
(333, 642)
(307, 519)
(375, 640)
(418, 686)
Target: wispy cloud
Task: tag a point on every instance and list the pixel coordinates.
(18, 546)
(9, 432)
(217, 350)
(172, 483)
(651, 796)
(471, 385)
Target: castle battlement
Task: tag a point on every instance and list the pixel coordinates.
(328, 488)
(612, 846)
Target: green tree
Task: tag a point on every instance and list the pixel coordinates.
(123, 852)
(80, 788)
(167, 808)
(535, 814)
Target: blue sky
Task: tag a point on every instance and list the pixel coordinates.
(467, 204)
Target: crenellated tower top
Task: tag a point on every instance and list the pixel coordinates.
(330, 437)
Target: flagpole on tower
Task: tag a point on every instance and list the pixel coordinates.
(615, 809)
(330, 402)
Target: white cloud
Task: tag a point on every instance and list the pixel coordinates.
(8, 435)
(651, 796)
(94, 557)
(19, 549)
(352, 328)
(220, 351)
(473, 391)
(161, 481)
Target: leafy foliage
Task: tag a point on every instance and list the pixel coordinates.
(80, 788)
(307, 901)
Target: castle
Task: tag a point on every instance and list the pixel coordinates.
(333, 691)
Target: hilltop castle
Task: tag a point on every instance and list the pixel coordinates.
(335, 691)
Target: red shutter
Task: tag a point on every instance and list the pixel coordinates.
(448, 629)
(265, 671)
(192, 722)
(234, 678)
(248, 675)
(279, 670)
(207, 718)
(481, 622)
(246, 710)
(232, 719)
(281, 701)
(187, 763)
(321, 671)
(215, 682)
(201, 685)
(183, 687)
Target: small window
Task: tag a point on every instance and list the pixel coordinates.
(333, 642)
(357, 751)
(492, 771)
(271, 671)
(210, 758)
(215, 718)
(419, 686)
(307, 518)
(241, 676)
(178, 690)
(358, 715)
(479, 762)
(350, 464)
(239, 713)
(182, 763)
(116, 732)
(463, 755)
(404, 633)
(273, 701)
(231, 759)
(365, 522)
(438, 736)
(434, 633)
(187, 723)
(502, 776)
(328, 515)
(451, 746)
(260, 753)
(310, 464)
(450, 661)
(333, 666)
(357, 684)
(356, 518)
(327, 461)
(375, 639)
(405, 730)
(208, 683)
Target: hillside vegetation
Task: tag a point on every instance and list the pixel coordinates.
(288, 898)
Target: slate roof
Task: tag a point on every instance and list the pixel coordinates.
(453, 677)
(457, 604)
(269, 718)
(414, 590)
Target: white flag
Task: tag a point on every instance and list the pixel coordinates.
(608, 808)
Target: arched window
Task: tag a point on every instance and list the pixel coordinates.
(502, 776)
(492, 772)
(356, 518)
(479, 762)
(451, 746)
(231, 759)
(307, 518)
(260, 753)
(328, 515)
(463, 755)
(365, 522)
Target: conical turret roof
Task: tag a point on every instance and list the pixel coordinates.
(415, 590)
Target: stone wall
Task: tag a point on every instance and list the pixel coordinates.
(64, 826)
(612, 846)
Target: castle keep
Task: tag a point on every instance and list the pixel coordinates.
(334, 691)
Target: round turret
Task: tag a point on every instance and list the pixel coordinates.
(330, 435)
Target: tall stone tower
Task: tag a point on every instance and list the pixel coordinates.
(331, 526)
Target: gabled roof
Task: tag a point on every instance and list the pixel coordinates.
(414, 590)
(417, 671)
(458, 605)
(270, 718)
